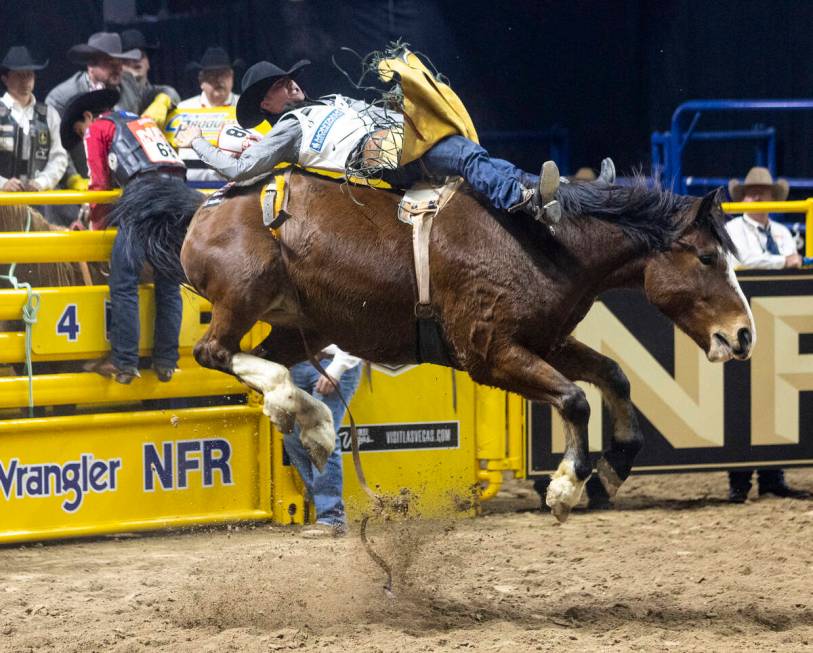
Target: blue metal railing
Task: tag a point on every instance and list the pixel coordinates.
(668, 147)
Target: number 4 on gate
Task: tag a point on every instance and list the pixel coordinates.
(68, 323)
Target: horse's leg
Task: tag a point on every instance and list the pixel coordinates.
(579, 362)
(516, 369)
(284, 345)
(283, 402)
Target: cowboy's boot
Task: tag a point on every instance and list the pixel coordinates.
(540, 202)
(607, 174)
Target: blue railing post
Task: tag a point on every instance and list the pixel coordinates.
(674, 173)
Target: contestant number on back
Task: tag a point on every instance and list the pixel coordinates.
(153, 142)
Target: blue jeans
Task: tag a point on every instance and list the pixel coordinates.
(499, 180)
(124, 275)
(325, 487)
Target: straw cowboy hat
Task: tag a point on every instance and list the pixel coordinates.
(107, 43)
(257, 80)
(758, 176)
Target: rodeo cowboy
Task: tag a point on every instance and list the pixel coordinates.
(126, 150)
(334, 132)
(31, 154)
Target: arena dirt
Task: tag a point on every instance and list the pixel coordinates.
(672, 567)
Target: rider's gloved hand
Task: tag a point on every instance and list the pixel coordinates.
(77, 182)
(159, 109)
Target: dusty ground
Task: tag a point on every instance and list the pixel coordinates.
(671, 568)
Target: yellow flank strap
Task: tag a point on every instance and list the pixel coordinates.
(278, 183)
(359, 181)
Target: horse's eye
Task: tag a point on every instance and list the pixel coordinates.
(707, 259)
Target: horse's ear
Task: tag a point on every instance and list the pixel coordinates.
(710, 202)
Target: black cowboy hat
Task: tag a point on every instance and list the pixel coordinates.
(133, 39)
(95, 101)
(19, 58)
(256, 82)
(214, 59)
(107, 43)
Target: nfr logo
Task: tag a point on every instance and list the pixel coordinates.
(179, 460)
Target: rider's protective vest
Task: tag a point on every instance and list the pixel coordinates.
(21, 154)
(331, 133)
(138, 146)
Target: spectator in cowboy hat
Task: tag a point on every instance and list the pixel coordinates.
(768, 245)
(31, 154)
(584, 174)
(133, 39)
(103, 57)
(761, 243)
(216, 79)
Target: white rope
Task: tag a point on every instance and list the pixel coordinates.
(30, 309)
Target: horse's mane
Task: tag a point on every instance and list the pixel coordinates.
(649, 215)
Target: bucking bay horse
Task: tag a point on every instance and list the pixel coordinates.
(506, 293)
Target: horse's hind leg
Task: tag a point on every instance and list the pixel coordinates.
(283, 402)
(579, 362)
(516, 369)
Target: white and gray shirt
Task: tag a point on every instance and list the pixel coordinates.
(752, 243)
(281, 145)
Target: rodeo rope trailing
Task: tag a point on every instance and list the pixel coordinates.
(378, 500)
(30, 310)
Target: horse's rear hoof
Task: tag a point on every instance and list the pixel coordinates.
(319, 441)
(281, 419)
(318, 456)
(609, 479)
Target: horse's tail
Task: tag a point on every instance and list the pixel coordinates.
(156, 211)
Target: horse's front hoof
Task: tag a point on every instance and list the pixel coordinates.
(562, 495)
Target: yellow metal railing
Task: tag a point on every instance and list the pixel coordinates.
(798, 206)
(60, 197)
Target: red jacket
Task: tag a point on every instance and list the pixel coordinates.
(98, 139)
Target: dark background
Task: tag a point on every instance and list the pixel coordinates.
(609, 71)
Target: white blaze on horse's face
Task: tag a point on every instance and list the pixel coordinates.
(694, 284)
(715, 352)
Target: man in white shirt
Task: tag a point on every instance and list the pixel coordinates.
(765, 245)
(761, 243)
(216, 79)
(31, 154)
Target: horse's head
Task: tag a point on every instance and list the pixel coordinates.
(693, 283)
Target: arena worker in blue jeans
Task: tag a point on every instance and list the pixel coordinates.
(325, 488)
(131, 152)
